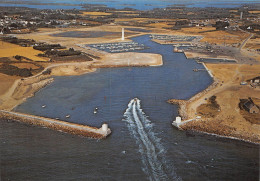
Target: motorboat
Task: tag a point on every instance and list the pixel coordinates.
(68, 116)
(43, 106)
(95, 110)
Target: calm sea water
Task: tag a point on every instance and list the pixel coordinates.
(143, 144)
(136, 4)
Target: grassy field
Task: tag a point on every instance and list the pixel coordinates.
(125, 11)
(96, 13)
(10, 50)
(225, 71)
(6, 82)
(253, 44)
(131, 14)
(254, 12)
(228, 94)
(140, 19)
(161, 24)
(209, 110)
(193, 30)
(211, 35)
(158, 23)
(125, 19)
(25, 65)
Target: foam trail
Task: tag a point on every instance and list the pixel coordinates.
(152, 152)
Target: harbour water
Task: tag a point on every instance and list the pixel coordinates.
(143, 145)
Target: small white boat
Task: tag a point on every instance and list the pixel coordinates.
(68, 116)
(95, 110)
(43, 106)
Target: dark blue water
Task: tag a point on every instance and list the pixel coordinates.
(32, 153)
(111, 89)
(137, 4)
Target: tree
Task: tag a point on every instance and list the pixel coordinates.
(220, 25)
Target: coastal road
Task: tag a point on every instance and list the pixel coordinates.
(200, 99)
(245, 41)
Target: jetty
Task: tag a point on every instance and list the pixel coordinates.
(178, 122)
(67, 127)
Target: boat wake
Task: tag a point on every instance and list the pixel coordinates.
(152, 152)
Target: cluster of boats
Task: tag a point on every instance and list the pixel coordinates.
(119, 47)
(68, 116)
(180, 38)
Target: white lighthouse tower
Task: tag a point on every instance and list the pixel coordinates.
(241, 15)
(105, 130)
(104, 127)
(123, 34)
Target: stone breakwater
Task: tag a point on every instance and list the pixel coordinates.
(58, 125)
(182, 107)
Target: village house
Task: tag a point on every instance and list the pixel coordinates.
(255, 82)
(250, 107)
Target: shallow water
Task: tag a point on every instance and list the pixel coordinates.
(143, 144)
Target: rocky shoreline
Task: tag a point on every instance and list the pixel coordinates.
(211, 128)
(192, 132)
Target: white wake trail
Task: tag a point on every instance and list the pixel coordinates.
(152, 152)
(149, 147)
